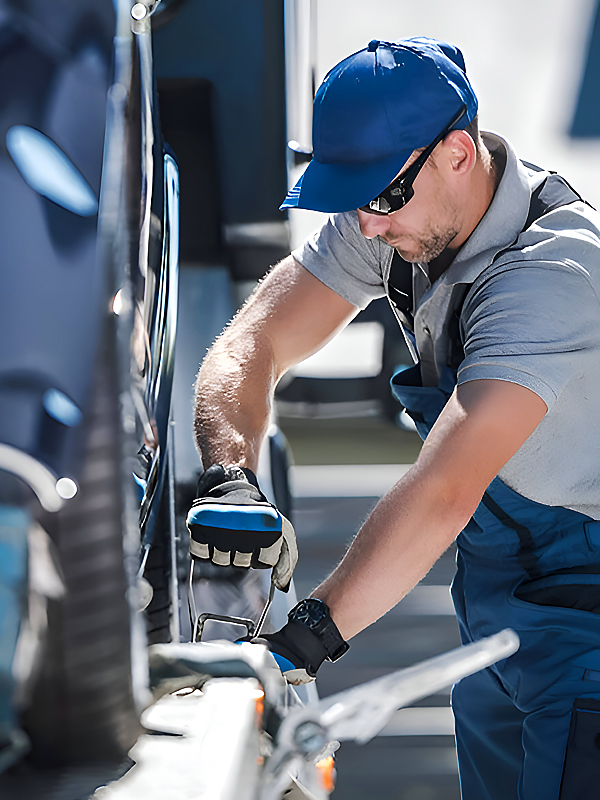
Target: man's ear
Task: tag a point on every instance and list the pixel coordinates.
(460, 151)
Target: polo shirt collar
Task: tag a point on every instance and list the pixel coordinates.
(503, 221)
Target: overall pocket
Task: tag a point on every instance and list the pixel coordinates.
(574, 587)
(581, 772)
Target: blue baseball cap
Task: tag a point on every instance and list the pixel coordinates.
(372, 111)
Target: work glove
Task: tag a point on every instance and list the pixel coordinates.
(308, 638)
(232, 523)
(297, 651)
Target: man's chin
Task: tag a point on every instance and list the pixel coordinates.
(407, 255)
(422, 257)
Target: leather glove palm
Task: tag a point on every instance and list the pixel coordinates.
(232, 523)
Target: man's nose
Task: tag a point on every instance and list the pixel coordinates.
(372, 225)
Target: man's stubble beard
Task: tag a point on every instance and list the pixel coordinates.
(435, 239)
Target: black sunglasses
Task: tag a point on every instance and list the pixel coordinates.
(400, 190)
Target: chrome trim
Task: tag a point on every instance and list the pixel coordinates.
(38, 477)
(258, 234)
(144, 44)
(175, 627)
(300, 20)
(157, 279)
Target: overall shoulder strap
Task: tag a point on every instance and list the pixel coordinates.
(552, 193)
(399, 289)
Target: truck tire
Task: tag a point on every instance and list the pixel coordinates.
(82, 707)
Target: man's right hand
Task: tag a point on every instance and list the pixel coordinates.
(297, 651)
(232, 523)
(308, 638)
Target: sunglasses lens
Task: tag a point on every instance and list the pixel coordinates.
(380, 205)
(407, 192)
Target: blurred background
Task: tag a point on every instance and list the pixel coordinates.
(234, 89)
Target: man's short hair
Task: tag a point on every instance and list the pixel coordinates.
(473, 130)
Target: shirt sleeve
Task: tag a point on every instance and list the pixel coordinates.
(537, 325)
(343, 259)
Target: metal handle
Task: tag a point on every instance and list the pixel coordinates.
(199, 626)
(263, 616)
(198, 620)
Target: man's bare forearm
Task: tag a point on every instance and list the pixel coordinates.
(233, 401)
(396, 547)
(289, 316)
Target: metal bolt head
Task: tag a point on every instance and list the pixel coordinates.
(139, 11)
(310, 737)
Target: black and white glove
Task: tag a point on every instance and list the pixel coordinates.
(308, 638)
(232, 523)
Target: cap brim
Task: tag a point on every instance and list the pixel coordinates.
(343, 187)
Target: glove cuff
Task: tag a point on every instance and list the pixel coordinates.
(250, 476)
(217, 475)
(313, 614)
(300, 646)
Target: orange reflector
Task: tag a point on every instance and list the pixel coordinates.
(326, 771)
(259, 705)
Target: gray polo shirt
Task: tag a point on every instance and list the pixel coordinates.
(531, 318)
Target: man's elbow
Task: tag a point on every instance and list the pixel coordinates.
(457, 505)
(450, 496)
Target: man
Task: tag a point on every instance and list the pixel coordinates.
(493, 269)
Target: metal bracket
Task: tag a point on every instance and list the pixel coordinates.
(140, 15)
(198, 620)
(199, 626)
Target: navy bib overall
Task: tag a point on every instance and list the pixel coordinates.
(528, 727)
